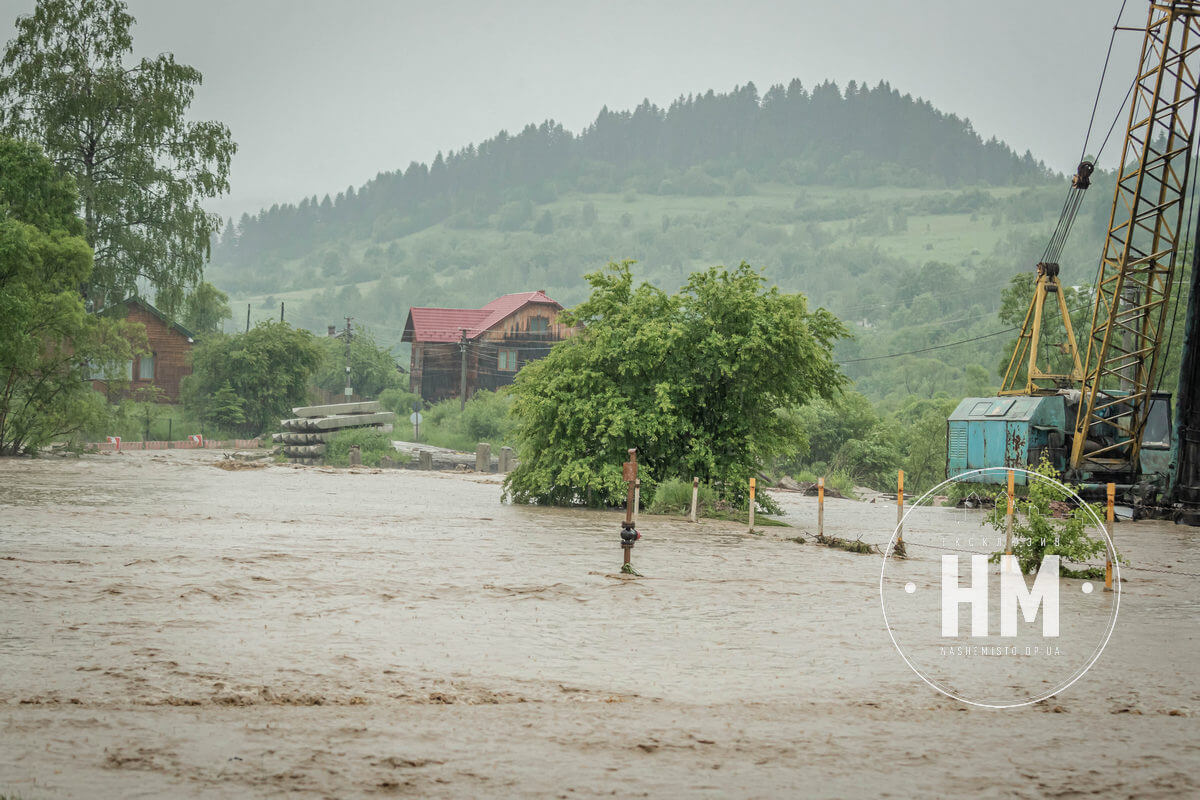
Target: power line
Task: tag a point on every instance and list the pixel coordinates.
(927, 349)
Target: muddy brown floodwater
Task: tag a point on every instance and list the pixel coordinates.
(171, 629)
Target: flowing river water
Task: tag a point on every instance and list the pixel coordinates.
(168, 628)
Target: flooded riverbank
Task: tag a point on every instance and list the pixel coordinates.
(171, 628)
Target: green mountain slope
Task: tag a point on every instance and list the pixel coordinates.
(894, 215)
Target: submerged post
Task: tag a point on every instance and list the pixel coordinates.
(695, 498)
(1008, 517)
(629, 533)
(899, 509)
(820, 506)
(1108, 551)
(752, 505)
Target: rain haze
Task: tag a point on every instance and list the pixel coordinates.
(627, 399)
(320, 96)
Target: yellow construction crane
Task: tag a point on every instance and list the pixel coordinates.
(1144, 233)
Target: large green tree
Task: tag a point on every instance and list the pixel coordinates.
(49, 344)
(693, 380)
(120, 127)
(205, 308)
(372, 368)
(248, 381)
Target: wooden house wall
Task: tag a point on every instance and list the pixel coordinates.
(436, 367)
(171, 351)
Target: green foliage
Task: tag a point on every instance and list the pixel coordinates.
(486, 418)
(837, 480)
(870, 461)
(674, 496)
(1053, 356)
(166, 423)
(921, 433)
(47, 340)
(1037, 533)
(372, 444)
(372, 368)
(400, 402)
(121, 128)
(268, 370)
(692, 380)
(225, 408)
(205, 308)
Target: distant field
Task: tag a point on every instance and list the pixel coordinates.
(954, 238)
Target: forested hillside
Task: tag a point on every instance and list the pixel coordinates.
(893, 214)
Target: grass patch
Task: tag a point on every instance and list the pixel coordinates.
(674, 496)
(372, 443)
(838, 481)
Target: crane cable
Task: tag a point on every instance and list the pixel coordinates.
(1082, 178)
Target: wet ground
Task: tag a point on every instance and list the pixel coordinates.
(172, 629)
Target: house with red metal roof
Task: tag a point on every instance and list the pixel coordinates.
(458, 351)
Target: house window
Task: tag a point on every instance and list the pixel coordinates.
(129, 370)
(506, 360)
(146, 367)
(539, 324)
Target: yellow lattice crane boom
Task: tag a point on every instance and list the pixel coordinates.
(1144, 233)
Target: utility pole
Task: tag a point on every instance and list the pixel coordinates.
(349, 390)
(462, 381)
(247, 317)
(281, 311)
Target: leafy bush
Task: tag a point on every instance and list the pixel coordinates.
(267, 371)
(674, 496)
(372, 368)
(371, 443)
(837, 480)
(692, 380)
(1038, 533)
(400, 402)
(485, 419)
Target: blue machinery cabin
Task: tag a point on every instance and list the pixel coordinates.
(1018, 431)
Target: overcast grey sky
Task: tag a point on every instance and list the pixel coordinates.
(322, 95)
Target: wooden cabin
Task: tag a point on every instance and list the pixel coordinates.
(169, 359)
(499, 339)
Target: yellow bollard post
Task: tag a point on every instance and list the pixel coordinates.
(900, 508)
(752, 505)
(1008, 517)
(820, 506)
(1112, 493)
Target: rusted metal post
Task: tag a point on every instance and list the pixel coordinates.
(899, 508)
(629, 533)
(820, 506)
(695, 498)
(1008, 517)
(752, 505)
(1112, 493)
